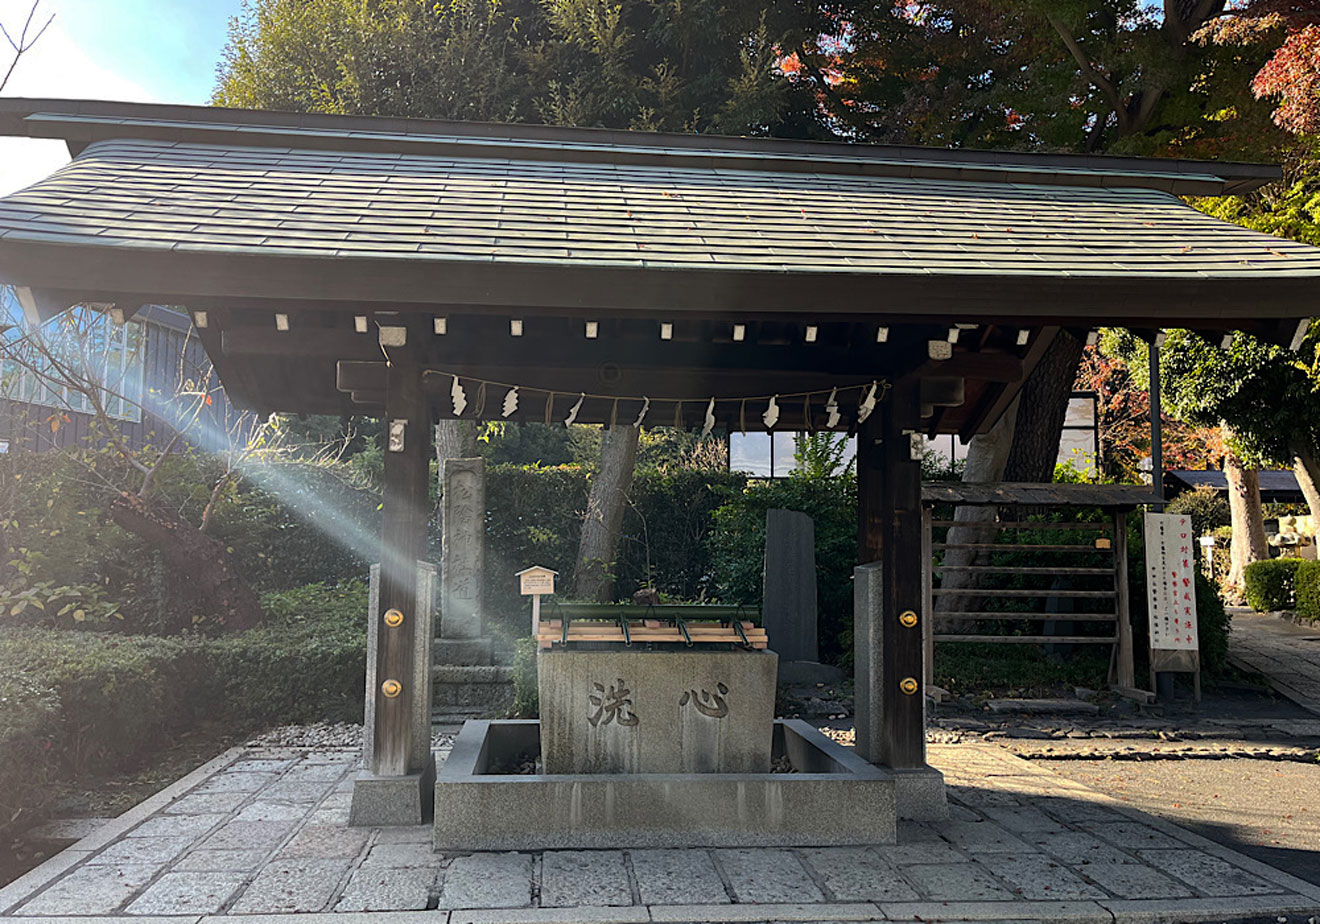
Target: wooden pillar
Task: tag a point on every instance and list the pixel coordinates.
(1124, 671)
(404, 517)
(889, 532)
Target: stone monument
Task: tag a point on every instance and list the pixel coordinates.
(463, 549)
(788, 607)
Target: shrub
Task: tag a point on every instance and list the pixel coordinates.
(1308, 590)
(1207, 509)
(1270, 584)
(70, 700)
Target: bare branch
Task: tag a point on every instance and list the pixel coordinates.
(23, 44)
(1092, 74)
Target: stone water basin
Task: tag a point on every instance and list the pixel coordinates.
(833, 797)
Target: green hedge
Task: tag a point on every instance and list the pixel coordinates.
(1308, 590)
(1270, 585)
(74, 700)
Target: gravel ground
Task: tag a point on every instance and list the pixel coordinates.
(326, 735)
(1269, 810)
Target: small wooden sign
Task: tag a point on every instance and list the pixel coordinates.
(536, 580)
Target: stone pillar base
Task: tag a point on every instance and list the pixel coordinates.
(393, 800)
(919, 794)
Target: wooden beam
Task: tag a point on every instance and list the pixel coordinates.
(299, 342)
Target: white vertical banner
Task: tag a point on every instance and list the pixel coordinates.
(1171, 582)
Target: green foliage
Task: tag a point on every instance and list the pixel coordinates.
(821, 455)
(738, 549)
(1023, 670)
(699, 66)
(1308, 590)
(1270, 585)
(1207, 509)
(73, 700)
(526, 693)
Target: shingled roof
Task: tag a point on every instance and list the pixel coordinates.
(181, 203)
(160, 195)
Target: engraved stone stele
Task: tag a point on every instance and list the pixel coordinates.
(789, 600)
(463, 548)
(685, 711)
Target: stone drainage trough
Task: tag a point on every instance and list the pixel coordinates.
(483, 802)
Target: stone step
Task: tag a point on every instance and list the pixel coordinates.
(463, 652)
(485, 687)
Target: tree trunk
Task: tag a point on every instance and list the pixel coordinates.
(454, 439)
(986, 456)
(1248, 522)
(1042, 408)
(593, 578)
(199, 557)
(1307, 468)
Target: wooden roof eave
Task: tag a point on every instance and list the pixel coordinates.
(220, 276)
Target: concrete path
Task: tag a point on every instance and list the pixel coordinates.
(1287, 654)
(262, 831)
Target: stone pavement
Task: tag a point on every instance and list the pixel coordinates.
(261, 831)
(1287, 654)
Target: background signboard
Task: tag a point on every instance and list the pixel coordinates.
(1171, 582)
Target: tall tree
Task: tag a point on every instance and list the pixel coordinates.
(1265, 397)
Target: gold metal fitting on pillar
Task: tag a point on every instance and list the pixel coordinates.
(392, 688)
(393, 618)
(908, 685)
(908, 618)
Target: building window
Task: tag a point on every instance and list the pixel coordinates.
(72, 354)
(774, 455)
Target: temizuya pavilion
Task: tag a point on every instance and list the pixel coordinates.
(409, 268)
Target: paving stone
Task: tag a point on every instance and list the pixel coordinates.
(220, 860)
(335, 817)
(91, 890)
(381, 889)
(201, 803)
(938, 851)
(294, 791)
(1040, 878)
(286, 886)
(1132, 880)
(488, 880)
(677, 877)
(236, 782)
(955, 882)
(963, 813)
(248, 835)
(1132, 835)
(981, 837)
(1077, 811)
(1076, 847)
(260, 765)
(858, 874)
(573, 878)
(307, 772)
(767, 875)
(1207, 873)
(273, 811)
(1022, 820)
(325, 842)
(404, 834)
(193, 826)
(403, 856)
(187, 893)
(158, 850)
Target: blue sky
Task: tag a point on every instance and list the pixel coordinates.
(142, 50)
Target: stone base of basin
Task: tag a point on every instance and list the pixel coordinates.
(483, 803)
